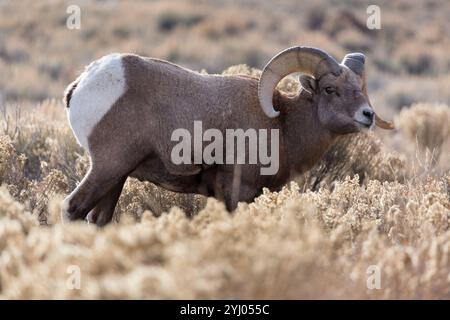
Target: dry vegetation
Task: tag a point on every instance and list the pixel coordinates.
(375, 199)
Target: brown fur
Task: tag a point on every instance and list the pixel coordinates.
(133, 138)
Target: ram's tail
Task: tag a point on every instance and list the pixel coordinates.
(68, 93)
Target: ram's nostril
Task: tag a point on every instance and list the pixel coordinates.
(368, 113)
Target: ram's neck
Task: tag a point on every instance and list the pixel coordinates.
(306, 140)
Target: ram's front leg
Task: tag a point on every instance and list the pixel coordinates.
(246, 194)
(232, 188)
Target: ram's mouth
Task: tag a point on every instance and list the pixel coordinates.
(363, 125)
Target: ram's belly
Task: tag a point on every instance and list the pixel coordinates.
(154, 170)
(99, 87)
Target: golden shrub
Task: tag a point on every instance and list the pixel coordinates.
(428, 125)
(361, 206)
(285, 245)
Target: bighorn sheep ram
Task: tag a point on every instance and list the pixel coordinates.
(123, 109)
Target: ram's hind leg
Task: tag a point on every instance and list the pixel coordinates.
(103, 212)
(97, 183)
(109, 169)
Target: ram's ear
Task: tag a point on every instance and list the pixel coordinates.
(308, 83)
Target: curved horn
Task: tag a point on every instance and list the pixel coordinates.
(355, 62)
(311, 61)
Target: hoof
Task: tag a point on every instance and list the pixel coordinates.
(98, 218)
(103, 220)
(69, 212)
(91, 218)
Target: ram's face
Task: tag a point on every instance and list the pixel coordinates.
(342, 105)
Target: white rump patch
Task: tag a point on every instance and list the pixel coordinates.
(100, 86)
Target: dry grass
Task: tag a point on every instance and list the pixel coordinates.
(285, 245)
(363, 205)
(375, 199)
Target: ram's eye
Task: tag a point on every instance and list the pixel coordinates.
(329, 90)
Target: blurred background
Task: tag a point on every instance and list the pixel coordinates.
(408, 58)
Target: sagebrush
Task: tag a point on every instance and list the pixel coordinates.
(363, 205)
